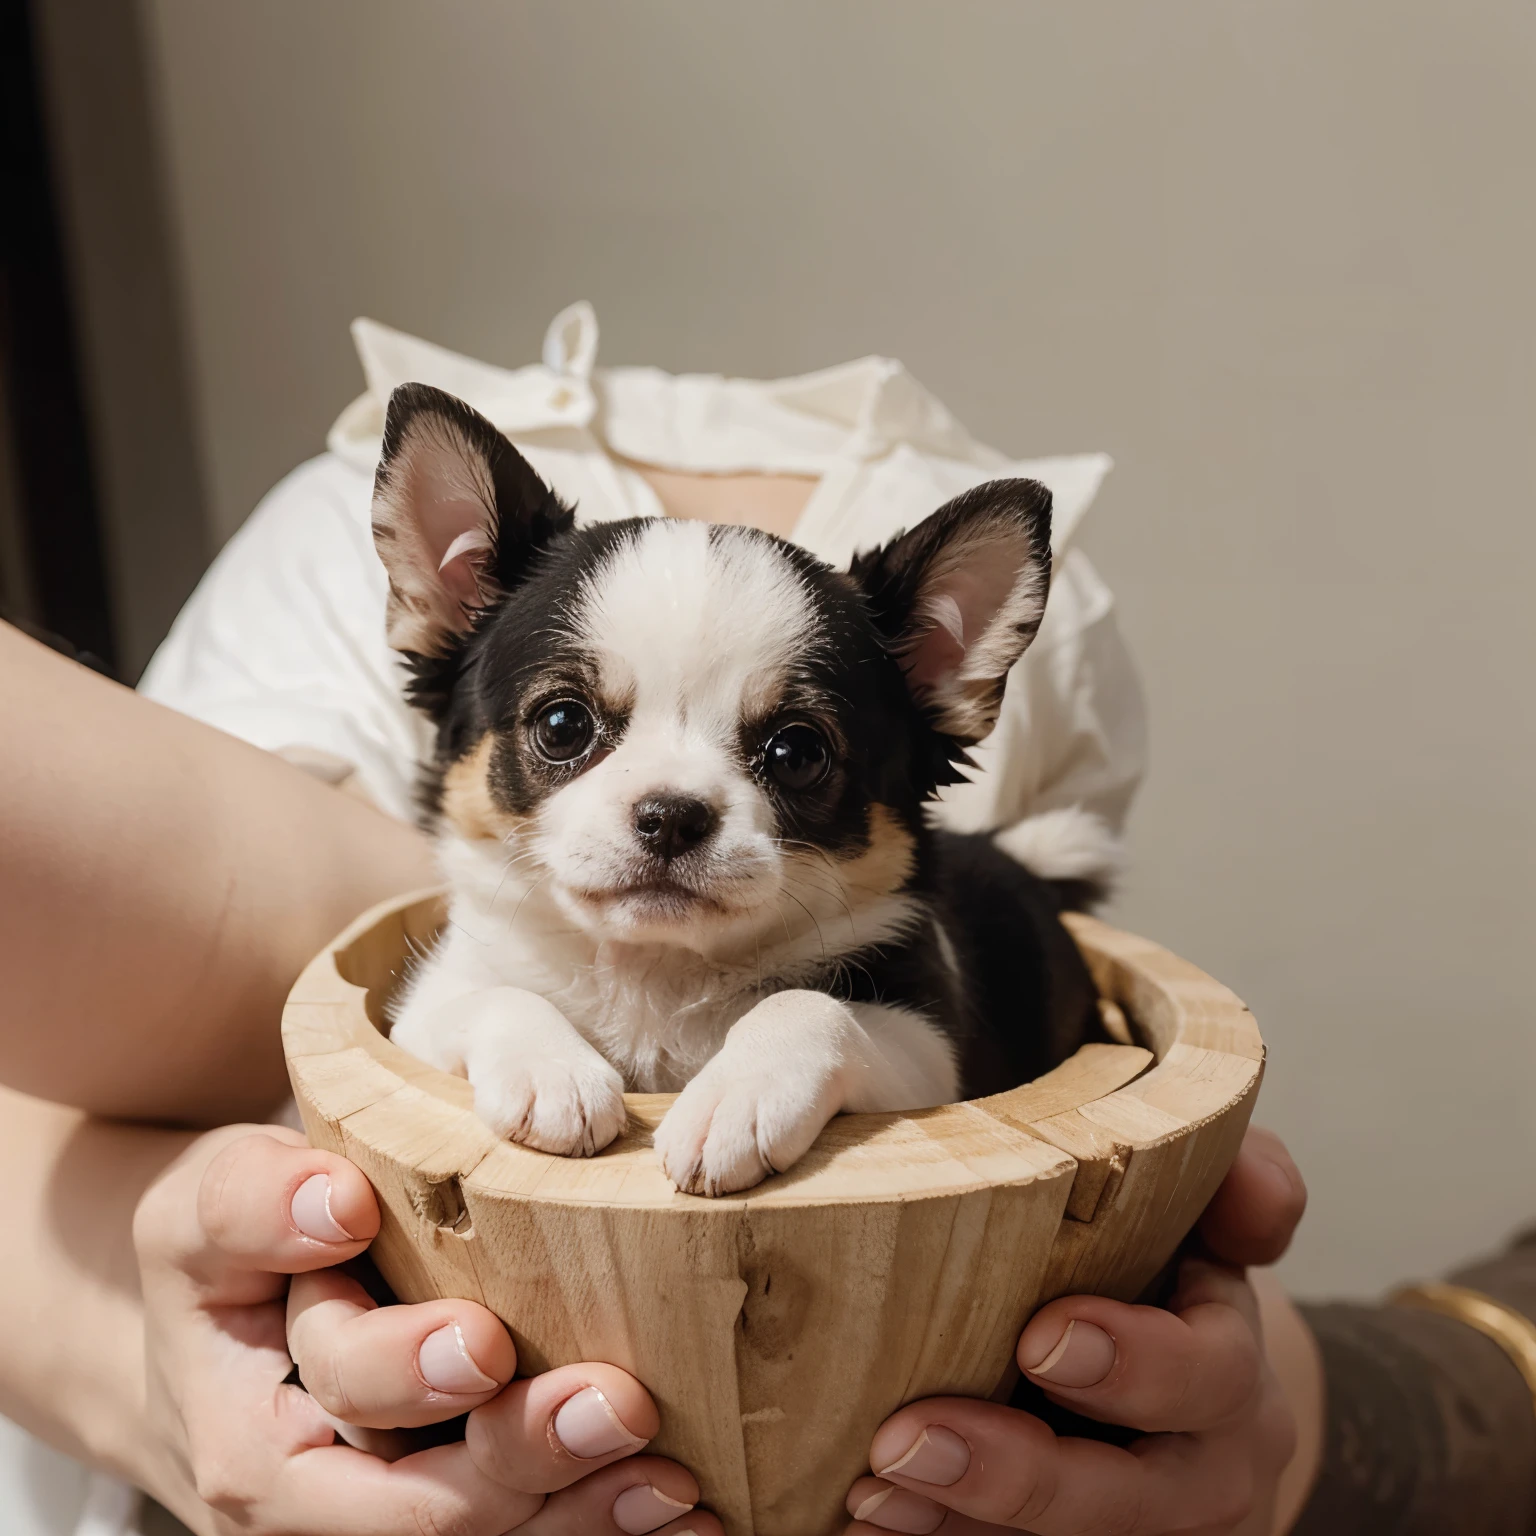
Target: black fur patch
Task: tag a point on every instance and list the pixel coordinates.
(1019, 999)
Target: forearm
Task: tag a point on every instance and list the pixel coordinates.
(163, 884)
(71, 1351)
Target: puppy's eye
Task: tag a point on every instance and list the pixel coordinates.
(798, 757)
(563, 731)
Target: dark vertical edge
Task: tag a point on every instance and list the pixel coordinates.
(52, 472)
(17, 599)
(101, 103)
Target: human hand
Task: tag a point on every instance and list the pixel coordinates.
(218, 1237)
(1194, 1378)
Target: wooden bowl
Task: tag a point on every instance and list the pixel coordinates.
(776, 1329)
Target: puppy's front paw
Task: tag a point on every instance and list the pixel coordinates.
(731, 1128)
(572, 1108)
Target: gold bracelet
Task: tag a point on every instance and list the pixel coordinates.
(1514, 1333)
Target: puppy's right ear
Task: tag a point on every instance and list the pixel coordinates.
(457, 515)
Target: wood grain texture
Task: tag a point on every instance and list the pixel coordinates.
(776, 1328)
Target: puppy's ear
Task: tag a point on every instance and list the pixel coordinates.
(960, 597)
(457, 515)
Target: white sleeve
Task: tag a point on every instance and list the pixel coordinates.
(1072, 731)
(283, 644)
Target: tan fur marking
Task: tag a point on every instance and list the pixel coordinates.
(468, 804)
(874, 874)
(887, 863)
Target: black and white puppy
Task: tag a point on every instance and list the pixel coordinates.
(679, 786)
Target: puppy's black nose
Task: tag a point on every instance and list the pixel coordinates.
(669, 825)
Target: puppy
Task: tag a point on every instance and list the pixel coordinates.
(679, 786)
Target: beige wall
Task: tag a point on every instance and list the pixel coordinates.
(1277, 258)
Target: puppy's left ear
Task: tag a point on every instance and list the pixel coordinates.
(458, 515)
(961, 596)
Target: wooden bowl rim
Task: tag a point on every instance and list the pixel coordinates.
(1083, 1120)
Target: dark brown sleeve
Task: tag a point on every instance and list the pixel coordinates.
(1430, 1429)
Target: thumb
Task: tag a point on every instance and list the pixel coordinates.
(246, 1206)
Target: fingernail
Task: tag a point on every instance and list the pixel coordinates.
(446, 1364)
(643, 1508)
(937, 1456)
(311, 1212)
(587, 1426)
(872, 1503)
(1083, 1356)
(899, 1509)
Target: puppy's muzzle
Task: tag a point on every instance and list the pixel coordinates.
(668, 826)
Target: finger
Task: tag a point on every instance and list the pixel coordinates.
(345, 1492)
(877, 1505)
(547, 1431)
(244, 1205)
(267, 1202)
(265, 1454)
(1254, 1213)
(998, 1466)
(393, 1367)
(643, 1493)
(889, 1508)
(1194, 1367)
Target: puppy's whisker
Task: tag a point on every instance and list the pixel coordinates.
(836, 896)
(506, 871)
(789, 937)
(832, 868)
(800, 842)
(474, 939)
(526, 894)
(820, 937)
(846, 964)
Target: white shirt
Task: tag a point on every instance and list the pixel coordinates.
(283, 641)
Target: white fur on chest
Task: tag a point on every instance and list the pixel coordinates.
(658, 1015)
(550, 1026)
(657, 1012)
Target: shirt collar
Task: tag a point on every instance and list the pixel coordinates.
(699, 422)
